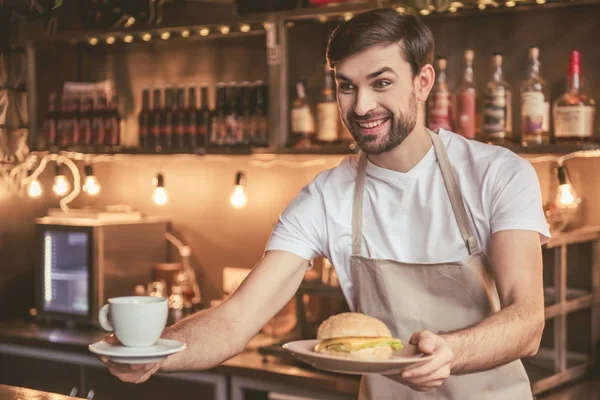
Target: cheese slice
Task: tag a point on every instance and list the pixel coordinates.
(350, 344)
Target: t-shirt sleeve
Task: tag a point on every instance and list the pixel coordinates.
(300, 229)
(516, 198)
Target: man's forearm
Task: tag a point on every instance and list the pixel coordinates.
(505, 336)
(212, 337)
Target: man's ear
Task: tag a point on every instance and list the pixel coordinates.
(424, 82)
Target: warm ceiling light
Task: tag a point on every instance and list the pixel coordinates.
(204, 32)
(110, 40)
(165, 35)
(267, 25)
(481, 6)
(93, 41)
(540, 1)
(452, 9)
(425, 12)
(146, 37)
(323, 19)
(401, 10)
(185, 33)
(128, 39)
(510, 3)
(245, 28)
(224, 29)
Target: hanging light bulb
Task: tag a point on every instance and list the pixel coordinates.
(61, 184)
(34, 190)
(159, 196)
(90, 185)
(238, 198)
(566, 197)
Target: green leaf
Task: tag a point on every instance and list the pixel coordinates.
(57, 3)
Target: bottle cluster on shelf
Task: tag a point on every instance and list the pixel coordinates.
(239, 118)
(88, 116)
(573, 113)
(328, 128)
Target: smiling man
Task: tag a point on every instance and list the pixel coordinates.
(409, 224)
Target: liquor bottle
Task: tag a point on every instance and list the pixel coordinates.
(534, 100)
(303, 122)
(465, 100)
(179, 119)
(574, 112)
(64, 124)
(218, 128)
(259, 130)
(166, 131)
(74, 113)
(497, 105)
(112, 123)
(232, 114)
(245, 113)
(50, 128)
(204, 118)
(98, 129)
(85, 121)
(439, 104)
(155, 120)
(327, 112)
(144, 120)
(191, 120)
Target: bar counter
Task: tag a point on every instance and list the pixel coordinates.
(18, 393)
(246, 371)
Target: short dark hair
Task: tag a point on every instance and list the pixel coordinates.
(383, 27)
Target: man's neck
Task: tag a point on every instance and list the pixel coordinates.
(407, 154)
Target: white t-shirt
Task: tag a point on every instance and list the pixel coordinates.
(408, 217)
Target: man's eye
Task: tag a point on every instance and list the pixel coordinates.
(381, 84)
(345, 87)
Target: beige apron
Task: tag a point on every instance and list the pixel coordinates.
(437, 297)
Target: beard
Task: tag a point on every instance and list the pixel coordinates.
(400, 127)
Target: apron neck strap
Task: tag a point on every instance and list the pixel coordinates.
(451, 187)
(454, 194)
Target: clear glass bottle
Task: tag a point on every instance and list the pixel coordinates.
(465, 100)
(303, 122)
(574, 112)
(439, 105)
(534, 104)
(327, 112)
(497, 103)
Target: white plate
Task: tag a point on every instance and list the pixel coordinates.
(304, 351)
(137, 355)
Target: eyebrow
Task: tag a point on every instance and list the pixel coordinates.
(370, 76)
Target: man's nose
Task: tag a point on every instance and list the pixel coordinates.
(365, 102)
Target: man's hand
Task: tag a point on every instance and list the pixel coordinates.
(132, 373)
(432, 373)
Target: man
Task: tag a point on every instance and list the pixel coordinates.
(409, 225)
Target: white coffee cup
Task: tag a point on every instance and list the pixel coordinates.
(137, 321)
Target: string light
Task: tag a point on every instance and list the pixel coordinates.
(267, 25)
(90, 184)
(110, 40)
(245, 28)
(185, 33)
(425, 12)
(61, 185)
(146, 37)
(204, 32)
(224, 29)
(93, 41)
(159, 196)
(510, 3)
(165, 35)
(128, 39)
(401, 10)
(238, 197)
(34, 189)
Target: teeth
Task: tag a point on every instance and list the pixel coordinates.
(372, 124)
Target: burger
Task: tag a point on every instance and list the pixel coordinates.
(357, 336)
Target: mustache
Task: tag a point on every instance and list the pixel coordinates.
(352, 116)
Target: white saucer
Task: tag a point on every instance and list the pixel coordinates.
(137, 355)
(304, 351)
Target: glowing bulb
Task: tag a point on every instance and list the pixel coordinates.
(204, 32)
(224, 29)
(425, 12)
(110, 40)
(457, 4)
(165, 35)
(348, 16)
(481, 6)
(452, 9)
(61, 185)
(238, 198)
(146, 37)
(185, 33)
(35, 189)
(267, 25)
(160, 196)
(93, 41)
(245, 28)
(566, 196)
(401, 10)
(322, 19)
(128, 39)
(540, 1)
(510, 3)
(91, 185)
